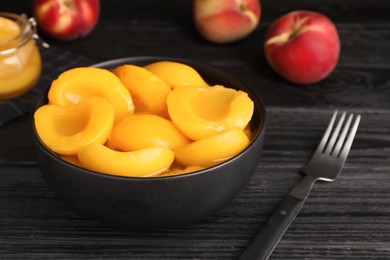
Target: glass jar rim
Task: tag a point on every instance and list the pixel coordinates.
(27, 31)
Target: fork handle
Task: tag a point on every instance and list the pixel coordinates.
(264, 243)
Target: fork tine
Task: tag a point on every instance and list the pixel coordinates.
(351, 136)
(325, 137)
(333, 138)
(341, 138)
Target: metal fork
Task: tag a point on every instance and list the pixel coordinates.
(326, 165)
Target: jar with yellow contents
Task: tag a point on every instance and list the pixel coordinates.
(20, 61)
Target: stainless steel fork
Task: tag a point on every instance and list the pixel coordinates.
(326, 165)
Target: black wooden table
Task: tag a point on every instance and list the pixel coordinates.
(345, 219)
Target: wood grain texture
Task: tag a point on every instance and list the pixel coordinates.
(345, 219)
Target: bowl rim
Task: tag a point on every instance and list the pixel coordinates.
(259, 107)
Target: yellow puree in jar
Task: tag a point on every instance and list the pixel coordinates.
(20, 68)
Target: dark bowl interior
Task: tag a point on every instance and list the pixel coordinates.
(154, 203)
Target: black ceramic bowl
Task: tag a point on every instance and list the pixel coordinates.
(154, 202)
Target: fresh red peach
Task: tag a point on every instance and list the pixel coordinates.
(66, 19)
(223, 21)
(302, 46)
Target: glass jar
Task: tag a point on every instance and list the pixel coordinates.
(20, 60)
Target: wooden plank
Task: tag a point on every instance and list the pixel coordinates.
(336, 222)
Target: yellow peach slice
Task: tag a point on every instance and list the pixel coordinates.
(79, 83)
(187, 169)
(212, 150)
(141, 163)
(141, 131)
(149, 92)
(176, 74)
(202, 112)
(65, 129)
(248, 132)
(72, 159)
